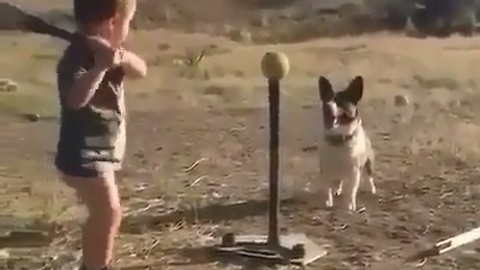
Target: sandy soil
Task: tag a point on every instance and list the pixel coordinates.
(427, 175)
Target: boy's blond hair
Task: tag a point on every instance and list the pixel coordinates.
(88, 12)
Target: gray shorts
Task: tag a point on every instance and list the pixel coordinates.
(71, 167)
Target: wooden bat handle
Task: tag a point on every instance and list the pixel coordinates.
(14, 18)
(37, 25)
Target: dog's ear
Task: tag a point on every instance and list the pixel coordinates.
(354, 91)
(326, 90)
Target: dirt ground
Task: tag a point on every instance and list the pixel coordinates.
(215, 114)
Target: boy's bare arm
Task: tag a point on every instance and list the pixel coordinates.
(133, 65)
(84, 87)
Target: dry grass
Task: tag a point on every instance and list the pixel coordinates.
(177, 118)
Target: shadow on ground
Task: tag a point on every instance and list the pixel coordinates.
(207, 255)
(214, 213)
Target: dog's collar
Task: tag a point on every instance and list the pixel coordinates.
(339, 140)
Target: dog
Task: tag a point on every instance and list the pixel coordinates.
(345, 149)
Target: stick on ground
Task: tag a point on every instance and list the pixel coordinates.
(447, 245)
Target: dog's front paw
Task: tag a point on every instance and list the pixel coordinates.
(352, 207)
(329, 203)
(373, 189)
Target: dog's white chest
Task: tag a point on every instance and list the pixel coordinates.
(339, 161)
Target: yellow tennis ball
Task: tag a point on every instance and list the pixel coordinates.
(275, 65)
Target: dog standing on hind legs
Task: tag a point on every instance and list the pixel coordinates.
(345, 149)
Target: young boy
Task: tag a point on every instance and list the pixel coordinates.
(92, 130)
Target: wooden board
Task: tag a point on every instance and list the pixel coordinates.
(313, 251)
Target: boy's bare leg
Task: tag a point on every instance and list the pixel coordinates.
(102, 199)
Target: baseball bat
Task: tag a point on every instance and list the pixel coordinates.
(13, 18)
